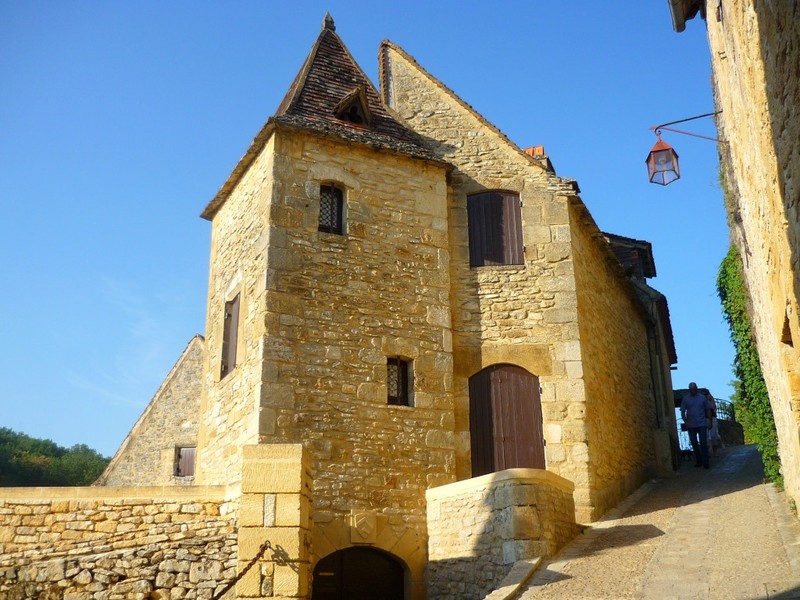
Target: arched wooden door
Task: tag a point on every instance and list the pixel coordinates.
(358, 573)
(505, 420)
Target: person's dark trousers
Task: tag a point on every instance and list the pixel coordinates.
(698, 436)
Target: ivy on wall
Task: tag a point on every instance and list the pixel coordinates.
(751, 398)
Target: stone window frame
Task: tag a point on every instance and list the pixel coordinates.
(335, 193)
(494, 225)
(399, 392)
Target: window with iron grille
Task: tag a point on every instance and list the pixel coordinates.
(184, 461)
(331, 204)
(230, 335)
(495, 229)
(398, 377)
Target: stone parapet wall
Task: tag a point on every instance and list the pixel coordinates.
(115, 543)
(755, 50)
(480, 527)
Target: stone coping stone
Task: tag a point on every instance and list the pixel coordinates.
(178, 492)
(519, 476)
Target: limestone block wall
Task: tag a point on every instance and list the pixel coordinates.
(116, 543)
(274, 522)
(240, 233)
(754, 55)
(171, 419)
(480, 527)
(615, 431)
(337, 306)
(522, 314)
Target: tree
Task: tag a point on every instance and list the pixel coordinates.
(26, 461)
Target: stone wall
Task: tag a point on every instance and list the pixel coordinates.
(528, 314)
(115, 543)
(755, 50)
(614, 434)
(480, 527)
(240, 233)
(147, 455)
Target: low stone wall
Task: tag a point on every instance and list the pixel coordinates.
(116, 543)
(478, 528)
(730, 432)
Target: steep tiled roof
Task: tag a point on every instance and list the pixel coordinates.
(329, 77)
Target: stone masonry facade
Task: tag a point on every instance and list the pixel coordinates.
(531, 314)
(755, 53)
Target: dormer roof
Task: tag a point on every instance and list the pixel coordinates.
(635, 256)
(329, 96)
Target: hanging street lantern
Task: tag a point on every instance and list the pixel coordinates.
(662, 163)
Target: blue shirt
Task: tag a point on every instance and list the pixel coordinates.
(693, 410)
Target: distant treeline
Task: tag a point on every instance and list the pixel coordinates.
(27, 462)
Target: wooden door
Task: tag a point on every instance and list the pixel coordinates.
(505, 420)
(358, 573)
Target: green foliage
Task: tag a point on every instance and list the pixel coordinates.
(27, 461)
(750, 397)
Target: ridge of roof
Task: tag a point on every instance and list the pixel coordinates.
(383, 76)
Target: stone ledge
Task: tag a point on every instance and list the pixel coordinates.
(518, 576)
(519, 475)
(154, 493)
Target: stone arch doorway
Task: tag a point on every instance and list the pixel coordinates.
(358, 573)
(505, 420)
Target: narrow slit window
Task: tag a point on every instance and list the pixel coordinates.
(331, 206)
(397, 382)
(230, 331)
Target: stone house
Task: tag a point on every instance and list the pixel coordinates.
(423, 360)
(755, 53)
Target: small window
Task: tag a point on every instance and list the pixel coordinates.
(398, 373)
(495, 229)
(230, 336)
(184, 461)
(331, 204)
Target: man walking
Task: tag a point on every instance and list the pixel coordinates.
(697, 416)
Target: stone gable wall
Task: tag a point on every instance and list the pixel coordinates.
(240, 234)
(147, 456)
(116, 543)
(616, 441)
(754, 55)
(525, 315)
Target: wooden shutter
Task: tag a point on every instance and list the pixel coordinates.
(230, 336)
(495, 229)
(185, 462)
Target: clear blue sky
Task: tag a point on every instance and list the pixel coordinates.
(119, 121)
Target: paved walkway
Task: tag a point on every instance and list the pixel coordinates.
(702, 534)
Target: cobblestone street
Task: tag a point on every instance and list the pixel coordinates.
(716, 534)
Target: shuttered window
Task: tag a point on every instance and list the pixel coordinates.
(230, 331)
(184, 462)
(397, 379)
(331, 204)
(495, 229)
